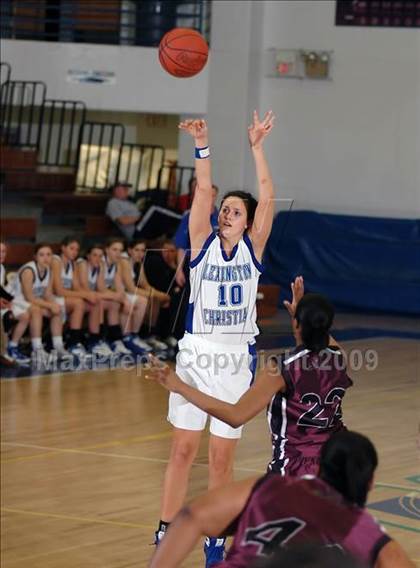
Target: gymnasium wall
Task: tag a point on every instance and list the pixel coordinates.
(350, 145)
(140, 84)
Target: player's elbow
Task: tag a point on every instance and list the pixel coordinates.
(191, 516)
(235, 420)
(186, 513)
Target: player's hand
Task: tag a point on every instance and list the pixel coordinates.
(259, 129)
(161, 373)
(162, 297)
(197, 128)
(55, 308)
(91, 297)
(298, 292)
(4, 304)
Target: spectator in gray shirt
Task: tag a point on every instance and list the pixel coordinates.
(123, 212)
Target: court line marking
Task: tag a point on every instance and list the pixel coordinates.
(74, 518)
(396, 525)
(109, 455)
(392, 486)
(138, 525)
(62, 374)
(413, 511)
(58, 451)
(113, 443)
(50, 552)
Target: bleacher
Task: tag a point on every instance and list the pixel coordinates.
(48, 159)
(72, 199)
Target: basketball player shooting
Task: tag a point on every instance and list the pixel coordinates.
(219, 341)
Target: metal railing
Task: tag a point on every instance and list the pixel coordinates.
(126, 22)
(96, 152)
(20, 118)
(176, 179)
(60, 132)
(140, 164)
(99, 155)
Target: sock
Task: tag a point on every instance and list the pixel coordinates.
(163, 525)
(36, 343)
(57, 341)
(74, 337)
(13, 344)
(94, 338)
(160, 533)
(114, 333)
(162, 528)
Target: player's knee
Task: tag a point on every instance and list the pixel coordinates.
(35, 311)
(25, 317)
(220, 461)
(79, 305)
(182, 453)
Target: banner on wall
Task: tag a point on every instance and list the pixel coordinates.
(360, 263)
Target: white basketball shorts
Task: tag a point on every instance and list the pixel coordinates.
(219, 370)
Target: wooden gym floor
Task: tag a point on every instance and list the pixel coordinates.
(83, 457)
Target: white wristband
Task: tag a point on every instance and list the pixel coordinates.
(201, 153)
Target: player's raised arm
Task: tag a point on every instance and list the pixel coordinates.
(210, 514)
(263, 220)
(199, 223)
(298, 291)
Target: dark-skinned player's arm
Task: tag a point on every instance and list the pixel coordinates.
(210, 514)
(298, 291)
(268, 382)
(199, 225)
(263, 219)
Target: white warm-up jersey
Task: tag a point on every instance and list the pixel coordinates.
(109, 273)
(92, 274)
(39, 285)
(67, 273)
(2, 275)
(222, 304)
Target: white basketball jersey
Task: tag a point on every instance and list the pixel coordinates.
(39, 285)
(126, 256)
(66, 273)
(222, 304)
(110, 272)
(2, 275)
(92, 274)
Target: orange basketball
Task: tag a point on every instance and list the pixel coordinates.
(183, 52)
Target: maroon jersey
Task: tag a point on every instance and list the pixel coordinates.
(285, 510)
(304, 417)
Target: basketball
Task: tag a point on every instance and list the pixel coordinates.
(183, 52)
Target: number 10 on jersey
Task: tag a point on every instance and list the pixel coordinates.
(230, 295)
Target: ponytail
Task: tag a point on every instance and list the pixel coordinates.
(315, 315)
(348, 462)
